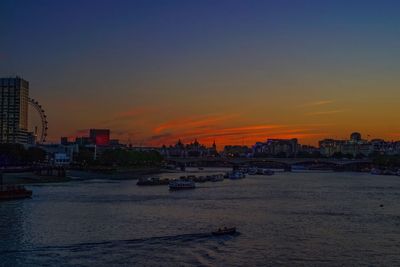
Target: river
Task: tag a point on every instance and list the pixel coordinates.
(288, 219)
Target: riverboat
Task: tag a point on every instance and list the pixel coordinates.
(152, 181)
(217, 178)
(376, 171)
(224, 231)
(267, 172)
(234, 175)
(182, 184)
(10, 192)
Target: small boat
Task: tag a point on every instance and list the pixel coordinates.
(299, 168)
(199, 179)
(225, 231)
(217, 178)
(389, 172)
(252, 171)
(152, 181)
(376, 171)
(14, 192)
(235, 175)
(181, 184)
(268, 172)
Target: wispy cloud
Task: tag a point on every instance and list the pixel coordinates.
(326, 112)
(193, 122)
(227, 136)
(317, 103)
(216, 128)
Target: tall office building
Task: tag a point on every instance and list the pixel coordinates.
(14, 97)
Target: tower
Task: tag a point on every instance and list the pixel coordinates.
(14, 97)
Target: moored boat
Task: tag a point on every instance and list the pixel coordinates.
(252, 171)
(152, 181)
(389, 172)
(376, 171)
(182, 184)
(14, 192)
(200, 179)
(217, 178)
(260, 171)
(235, 175)
(268, 172)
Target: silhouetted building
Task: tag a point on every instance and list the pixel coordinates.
(194, 149)
(64, 141)
(329, 147)
(14, 100)
(60, 154)
(236, 151)
(100, 137)
(355, 137)
(307, 150)
(83, 141)
(355, 146)
(276, 147)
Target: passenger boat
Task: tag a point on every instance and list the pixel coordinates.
(260, 171)
(389, 172)
(152, 181)
(225, 231)
(235, 175)
(199, 179)
(252, 171)
(268, 172)
(181, 184)
(14, 192)
(299, 168)
(376, 171)
(217, 178)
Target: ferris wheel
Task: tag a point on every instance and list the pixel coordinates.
(43, 118)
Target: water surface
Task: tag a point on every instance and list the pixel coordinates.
(303, 219)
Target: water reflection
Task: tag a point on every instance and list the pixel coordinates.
(285, 219)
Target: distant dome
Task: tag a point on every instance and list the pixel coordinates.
(355, 136)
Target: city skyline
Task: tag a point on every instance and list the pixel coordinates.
(227, 71)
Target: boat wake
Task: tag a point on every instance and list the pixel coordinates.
(198, 247)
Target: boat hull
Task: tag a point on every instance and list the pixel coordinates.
(229, 231)
(182, 185)
(11, 196)
(180, 188)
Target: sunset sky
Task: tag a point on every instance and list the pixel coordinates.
(233, 71)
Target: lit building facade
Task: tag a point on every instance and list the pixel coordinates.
(194, 149)
(355, 146)
(276, 147)
(100, 137)
(14, 100)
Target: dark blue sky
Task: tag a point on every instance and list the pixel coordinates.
(95, 59)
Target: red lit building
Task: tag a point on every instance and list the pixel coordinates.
(100, 137)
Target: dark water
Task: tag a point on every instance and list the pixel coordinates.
(289, 219)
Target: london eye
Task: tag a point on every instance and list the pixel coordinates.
(42, 120)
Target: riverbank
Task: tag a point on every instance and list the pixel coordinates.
(31, 178)
(71, 175)
(117, 174)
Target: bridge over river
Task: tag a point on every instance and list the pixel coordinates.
(284, 163)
